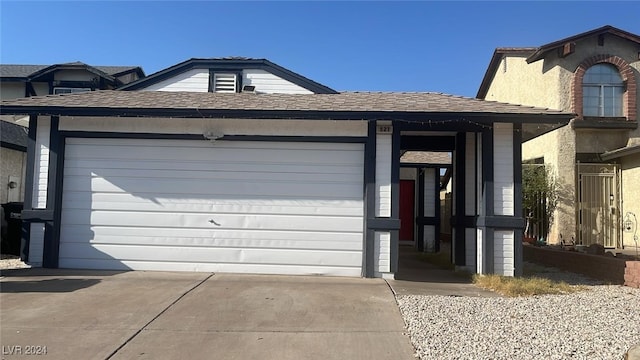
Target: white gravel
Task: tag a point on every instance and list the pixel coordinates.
(11, 262)
(602, 322)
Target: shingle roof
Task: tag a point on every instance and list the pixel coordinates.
(426, 157)
(379, 102)
(24, 71)
(13, 135)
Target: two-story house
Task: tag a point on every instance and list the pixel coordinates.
(595, 158)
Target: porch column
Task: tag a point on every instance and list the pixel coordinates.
(428, 219)
(382, 174)
(500, 224)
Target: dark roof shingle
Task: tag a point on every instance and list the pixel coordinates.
(24, 71)
(13, 135)
(427, 102)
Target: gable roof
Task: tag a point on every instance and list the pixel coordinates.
(19, 72)
(230, 63)
(13, 136)
(533, 54)
(607, 29)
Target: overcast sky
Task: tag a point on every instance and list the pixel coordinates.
(369, 46)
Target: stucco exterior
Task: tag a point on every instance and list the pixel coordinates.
(12, 167)
(549, 81)
(631, 196)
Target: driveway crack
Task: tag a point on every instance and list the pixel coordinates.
(114, 352)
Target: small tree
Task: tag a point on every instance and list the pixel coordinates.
(539, 197)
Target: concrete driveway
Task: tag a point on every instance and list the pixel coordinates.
(158, 315)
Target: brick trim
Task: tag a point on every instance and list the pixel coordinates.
(629, 99)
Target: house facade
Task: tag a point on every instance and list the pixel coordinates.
(596, 158)
(240, 165)
(18, 81)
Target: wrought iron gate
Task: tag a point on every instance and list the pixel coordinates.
(598, 211)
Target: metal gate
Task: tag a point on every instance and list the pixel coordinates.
(598, 208)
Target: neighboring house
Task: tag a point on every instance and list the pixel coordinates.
(596, 158)
(283, 175)
(17, 81)
(13, 161)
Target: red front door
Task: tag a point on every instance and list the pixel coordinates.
(407, 198)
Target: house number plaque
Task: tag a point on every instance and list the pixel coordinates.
(384, 129)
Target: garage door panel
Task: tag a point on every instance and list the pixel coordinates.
(290, 208)
(212, 255)
(207, 174)
(89, 201)
(216, 153)
(81, 166)
(220, 220)
(237, 187)
(210, 267)
(83, 233)
(221, 241)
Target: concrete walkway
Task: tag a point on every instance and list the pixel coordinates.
(156, 315)
(418, 277)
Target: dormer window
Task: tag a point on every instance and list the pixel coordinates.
(69, 90)
(225, 82)
(602, 91)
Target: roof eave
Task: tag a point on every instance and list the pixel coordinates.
(412, 116)
(607, 29)
(622, 152)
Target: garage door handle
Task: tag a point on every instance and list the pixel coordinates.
(214, 222)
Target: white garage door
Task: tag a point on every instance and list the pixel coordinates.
(256, 207)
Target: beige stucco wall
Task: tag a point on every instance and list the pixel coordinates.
(557, 148)
(517, 82)
(12, 163)
(630, 193)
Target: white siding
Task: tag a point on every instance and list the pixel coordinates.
(470, 248)
(479, 181)
(12, 90)
(383, 175)
(470, 175)
(503, 254)
(503, 169)
(429, 192)
(287, 208)
(36, 244)
(264, 127)
(41, 171)
(196, 80)
(266, 82)
(382, 253)
(479, 252)
(429, 238)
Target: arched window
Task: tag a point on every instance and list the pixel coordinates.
(602, 91)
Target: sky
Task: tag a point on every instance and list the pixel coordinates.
(348, 46)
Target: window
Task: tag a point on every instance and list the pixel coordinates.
(225, 83)
(602, 91)
(68, 90)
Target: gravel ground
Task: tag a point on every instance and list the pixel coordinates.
(11, 262)
(601, 322)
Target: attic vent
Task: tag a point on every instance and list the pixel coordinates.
(224, 83)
